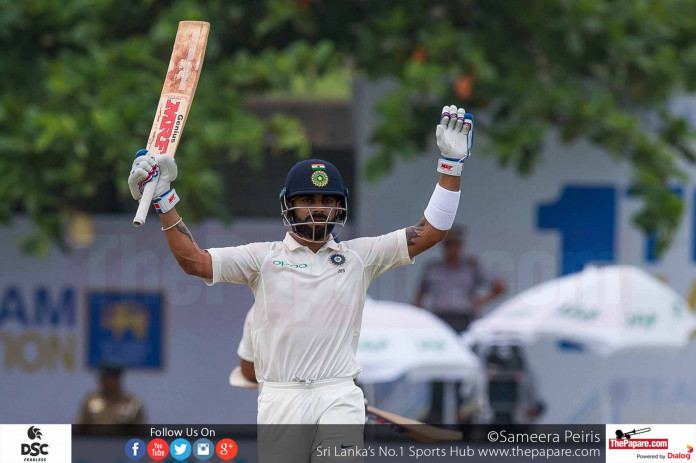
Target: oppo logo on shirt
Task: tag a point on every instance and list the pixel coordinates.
(281, 263)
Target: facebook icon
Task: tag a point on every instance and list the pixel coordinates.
(135, 449)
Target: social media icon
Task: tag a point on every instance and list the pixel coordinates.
(203, 449)
(180, 449)
(226, 449)
(135, 449)
(158, 449)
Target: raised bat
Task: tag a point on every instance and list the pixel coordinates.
(176, 98)
(410, 428)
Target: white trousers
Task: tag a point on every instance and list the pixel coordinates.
(317, 422)
(332, 401)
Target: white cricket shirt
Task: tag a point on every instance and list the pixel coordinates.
(246, 348)
(308, 307)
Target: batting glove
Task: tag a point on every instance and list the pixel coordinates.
(161, 169)
(455, 138)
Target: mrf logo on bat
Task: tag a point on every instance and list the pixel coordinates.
(169, 125)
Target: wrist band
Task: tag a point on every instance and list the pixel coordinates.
(166, 201)
(172, 226)
(449, 166)
(442, 208)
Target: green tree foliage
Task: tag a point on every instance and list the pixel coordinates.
(597, 69)
(81, 79)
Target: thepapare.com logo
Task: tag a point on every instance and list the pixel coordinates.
(36, 450)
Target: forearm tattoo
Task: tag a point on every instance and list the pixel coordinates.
(416, 231)
(184, 229)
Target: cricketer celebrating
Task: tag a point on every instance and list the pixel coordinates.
(309, 290)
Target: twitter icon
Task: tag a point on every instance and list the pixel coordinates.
(180, 449)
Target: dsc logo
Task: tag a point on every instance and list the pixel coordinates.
(42, 443)
(35, 449)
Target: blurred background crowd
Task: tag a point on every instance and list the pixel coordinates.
(566, 293)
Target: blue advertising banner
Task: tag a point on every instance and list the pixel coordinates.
(125, 329)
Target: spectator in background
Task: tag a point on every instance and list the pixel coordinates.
(450, 288)
(111, 404)
(512, 390)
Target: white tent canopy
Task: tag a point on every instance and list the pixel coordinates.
(603, 309)
(402, 340)
(585, 333)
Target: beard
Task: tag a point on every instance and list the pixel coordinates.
(315, 227)
(320, 232)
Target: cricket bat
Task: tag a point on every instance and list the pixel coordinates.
(412, 429)
(237, 379)
(176, 98)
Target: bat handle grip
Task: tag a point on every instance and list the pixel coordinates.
(143, 207)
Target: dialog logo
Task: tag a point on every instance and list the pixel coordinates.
(203, 449)
(226, 449)
(180, 449)
(680, 455)
(158, 449)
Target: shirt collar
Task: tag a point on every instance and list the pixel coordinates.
(331, 244)
(292, 244)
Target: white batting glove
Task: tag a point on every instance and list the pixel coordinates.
(455, 138)
(161, 169)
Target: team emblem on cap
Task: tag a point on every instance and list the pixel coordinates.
(337, 259)
(319, 178)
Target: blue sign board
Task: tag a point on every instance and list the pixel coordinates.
(125, 329)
